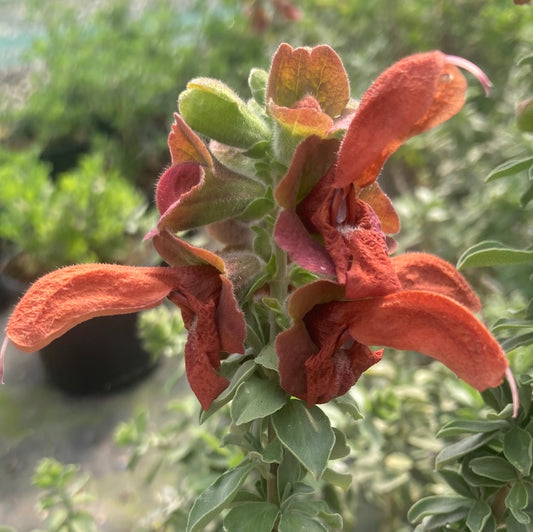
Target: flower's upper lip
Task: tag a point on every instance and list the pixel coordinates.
(461, 62)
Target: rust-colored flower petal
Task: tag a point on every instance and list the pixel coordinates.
(382, 206)
(175, 182)
(415, 94)
(318, 360)
(319, 72)
(301, 121)
(310, 162)
(292, 236)
(178, 252)
(431, 324)
(185, 145)
(60, 300)
(421, 271)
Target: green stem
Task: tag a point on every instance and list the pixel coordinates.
(272, 480)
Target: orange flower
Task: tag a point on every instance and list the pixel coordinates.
(196, 283)
(323, 354)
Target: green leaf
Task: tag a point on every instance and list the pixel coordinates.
(242, 372)
(456, 481)
(298, 522)
(213, 109)
(518, 449)
(268, 357)
(256, 398)
(347, 404)
(527, 196)
(341, 480)
(506, 323)
(217, 496)
(516, 341)
(514, 526)
(510, 167)
(256, 516)
(341, 447)
(460, 426)
(456, 450)
(442, 521)
(518, 497)
(436, 504)
(306, 433)
(493, 253)
(493, 467)
(478, 516)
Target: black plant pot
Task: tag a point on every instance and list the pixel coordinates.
(97, 356)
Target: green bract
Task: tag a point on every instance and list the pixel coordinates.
(213, 109)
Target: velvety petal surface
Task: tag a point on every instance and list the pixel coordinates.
(63, 298)
(319, 72)
(431, 324)
(185, 145)
(413, 95)
(421, 271)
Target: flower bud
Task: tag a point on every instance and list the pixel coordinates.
(210, 107)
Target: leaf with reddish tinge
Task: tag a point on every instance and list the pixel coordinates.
(309, 164)
(219, 194)
(382, 206)
(413, 95)
(319, 72)
(185, 145)
(301, 121)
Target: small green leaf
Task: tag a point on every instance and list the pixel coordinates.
(442, 521)
(456, 450)
(298, 522)
(257, 81)
(518, 449)
(460, 426)
(306, 433)
(256, 398)
(516, 341)
(518, 497)
(341, 480)
(493, 467)
(515, 526)
(347, 404)
(478, 516)
(217, 496)
(492, 253)
(273, 452)
(341, 447)
(256, 516)
(436, 504)
(527, 196)
(456, 481)
(213, 109)
(268, 357)
(242, 372)
(510, 167)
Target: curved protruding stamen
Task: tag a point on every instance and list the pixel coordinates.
(3, 350)
(461, 62)
(514, 391)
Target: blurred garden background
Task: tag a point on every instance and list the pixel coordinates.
(87, 96)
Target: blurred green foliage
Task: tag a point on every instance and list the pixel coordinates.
(88, 214)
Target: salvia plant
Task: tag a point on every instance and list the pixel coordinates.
(299, 284)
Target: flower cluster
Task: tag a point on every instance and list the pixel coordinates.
(287, 186)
